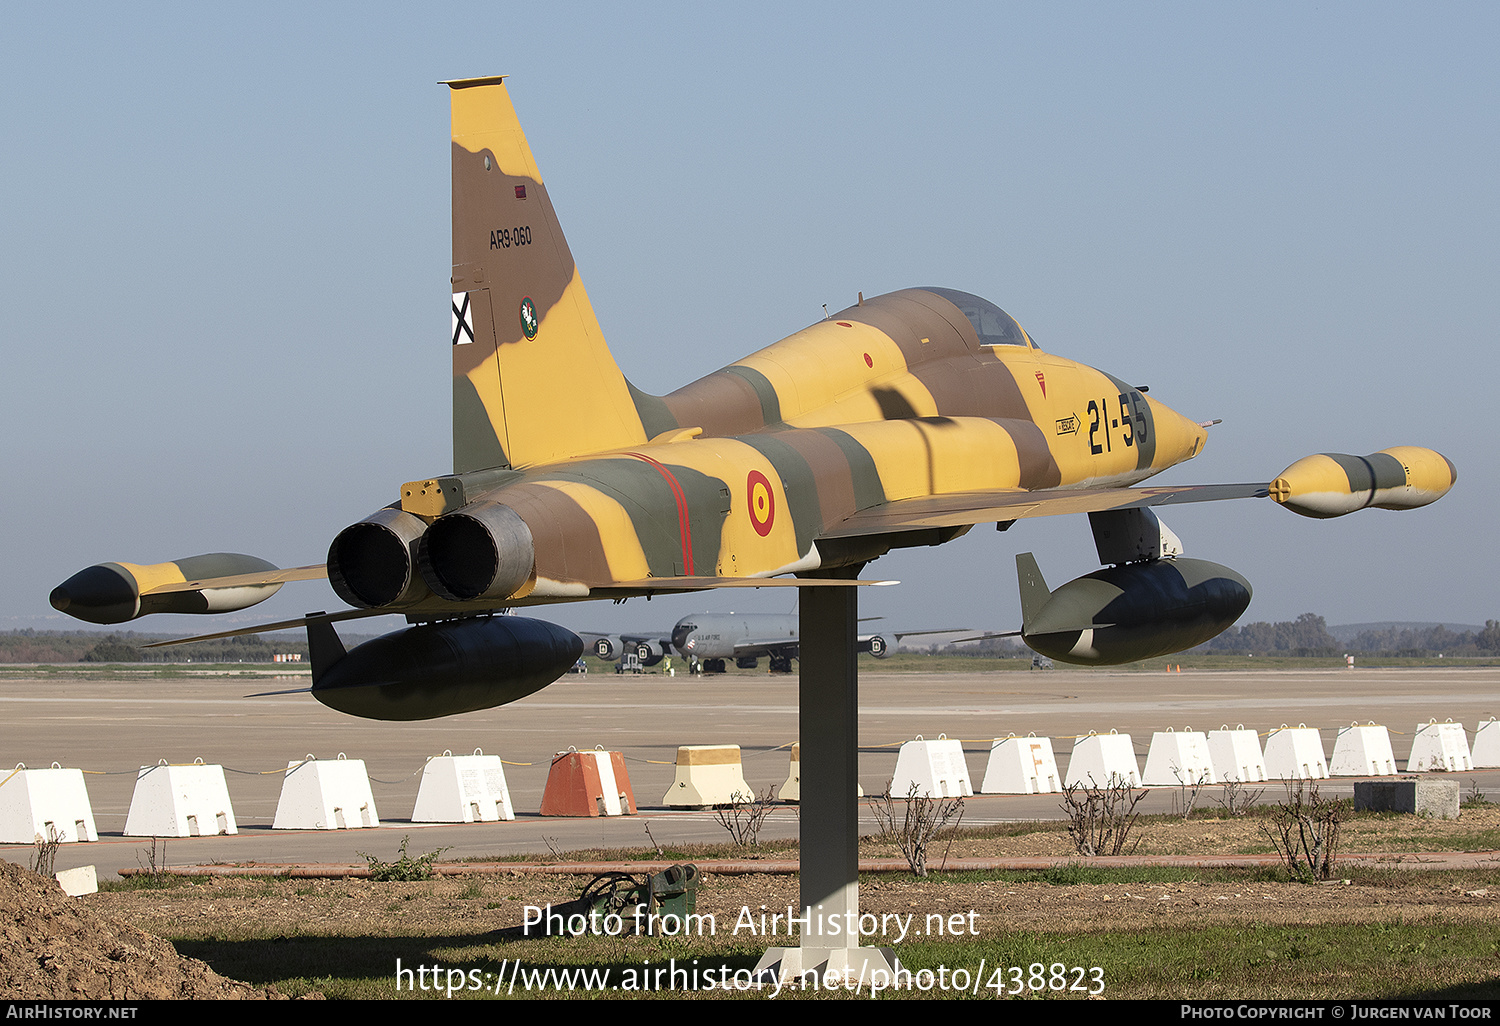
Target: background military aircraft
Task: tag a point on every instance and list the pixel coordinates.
(901, 421)
(713, 639)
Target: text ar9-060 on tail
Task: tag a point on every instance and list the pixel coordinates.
(903, 420)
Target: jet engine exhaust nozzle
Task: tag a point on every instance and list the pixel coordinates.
(374, 563)
(482, 551)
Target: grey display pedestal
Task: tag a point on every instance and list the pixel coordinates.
(828, 730)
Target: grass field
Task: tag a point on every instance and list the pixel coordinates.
(1153, 931)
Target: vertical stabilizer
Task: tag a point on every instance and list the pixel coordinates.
(533, 380)
(1034, 593)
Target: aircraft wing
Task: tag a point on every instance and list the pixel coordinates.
(280, 625)
(661, 639)
(295, 573)
(964, 508)
(668, 585)
(765, 646)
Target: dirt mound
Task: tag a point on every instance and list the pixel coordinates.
(53, 948)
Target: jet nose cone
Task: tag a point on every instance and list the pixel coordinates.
(60, 598)
(1177, 438)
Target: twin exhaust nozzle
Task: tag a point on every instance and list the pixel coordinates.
(393, 558)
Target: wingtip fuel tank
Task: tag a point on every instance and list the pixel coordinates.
(1333, 484)
(117, 592)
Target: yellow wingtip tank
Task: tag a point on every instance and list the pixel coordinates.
(1333, 484)
(117, 592)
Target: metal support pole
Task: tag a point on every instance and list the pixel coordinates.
(828, 694)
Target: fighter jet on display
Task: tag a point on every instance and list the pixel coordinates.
(711, 639)
(903, 420)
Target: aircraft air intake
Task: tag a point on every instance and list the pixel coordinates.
(373, 563)
(482, 551)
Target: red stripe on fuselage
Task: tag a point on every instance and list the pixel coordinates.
(684, 529)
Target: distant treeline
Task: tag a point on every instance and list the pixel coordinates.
(1305, 636)
(1308, 636)
(1431, 640)
(33, 646)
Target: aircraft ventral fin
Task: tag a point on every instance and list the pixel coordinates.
(966, 508)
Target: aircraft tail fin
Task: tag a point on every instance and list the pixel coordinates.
(533, 380)
(1034, 593)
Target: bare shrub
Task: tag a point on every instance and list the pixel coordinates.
(1100, 818)
(1237, 799)
(744, 816)
(920, 821)
(1304, 830)
(1188, 790)
(44, 855)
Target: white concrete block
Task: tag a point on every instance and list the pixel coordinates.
(180, 801)
(791, 791)
(1362, 752)
(1103, 760)
(708, 775)
(83, 880)
(1021, 765)
(931, 769)
(1295, 753)
(463, 789)
(1236, 755)
(1176, 758)
(325, 795)
(1486, 751)
(50, 804)
(1439, 746)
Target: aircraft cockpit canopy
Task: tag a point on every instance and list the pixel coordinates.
(994, 326)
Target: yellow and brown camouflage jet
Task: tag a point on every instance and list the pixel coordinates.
(903, 420)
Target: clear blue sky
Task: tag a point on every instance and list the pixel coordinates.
(224, 277)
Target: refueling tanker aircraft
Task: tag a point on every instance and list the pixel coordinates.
(903, 420)
(714, 638)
